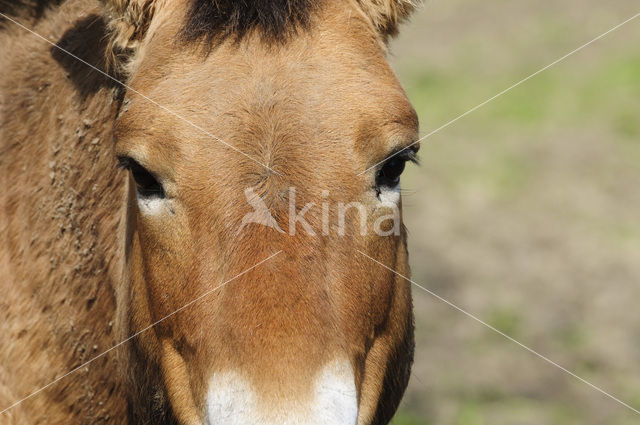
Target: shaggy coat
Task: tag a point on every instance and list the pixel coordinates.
(82, 269)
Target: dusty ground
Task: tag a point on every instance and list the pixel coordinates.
(524, 213)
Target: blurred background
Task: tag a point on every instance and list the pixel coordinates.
(524, 213)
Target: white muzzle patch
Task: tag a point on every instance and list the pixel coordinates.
(231, 400)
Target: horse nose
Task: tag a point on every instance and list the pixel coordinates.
(331, 399)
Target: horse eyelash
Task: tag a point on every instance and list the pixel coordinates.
(412, 155)
(124, 162)
(414, 158)
(408, 154)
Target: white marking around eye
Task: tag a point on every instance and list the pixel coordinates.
(151, 206)
(389, 195)
(232, 401)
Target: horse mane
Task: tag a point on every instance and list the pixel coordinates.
(276, 19)
(32, 9)
(211, 20)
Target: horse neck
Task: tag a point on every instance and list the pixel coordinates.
(61, 214)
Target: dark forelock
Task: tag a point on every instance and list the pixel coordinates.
(214, 20)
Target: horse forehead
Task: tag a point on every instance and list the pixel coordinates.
(315, 61)
(284, 94)
(262, 80)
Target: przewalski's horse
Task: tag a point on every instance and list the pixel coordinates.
(274, 325)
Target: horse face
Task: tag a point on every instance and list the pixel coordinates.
(251, 204)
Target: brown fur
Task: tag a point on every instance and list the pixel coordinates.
(82, 267)
(59, 204)
(217, 19)
(387, 15)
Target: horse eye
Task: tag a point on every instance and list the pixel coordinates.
(146, 184)
(389, 174)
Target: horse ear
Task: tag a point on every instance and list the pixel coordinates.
(387, 15)
(127, 21)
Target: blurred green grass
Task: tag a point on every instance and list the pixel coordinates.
(608, 92)
(556, 94)
(525, 212)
